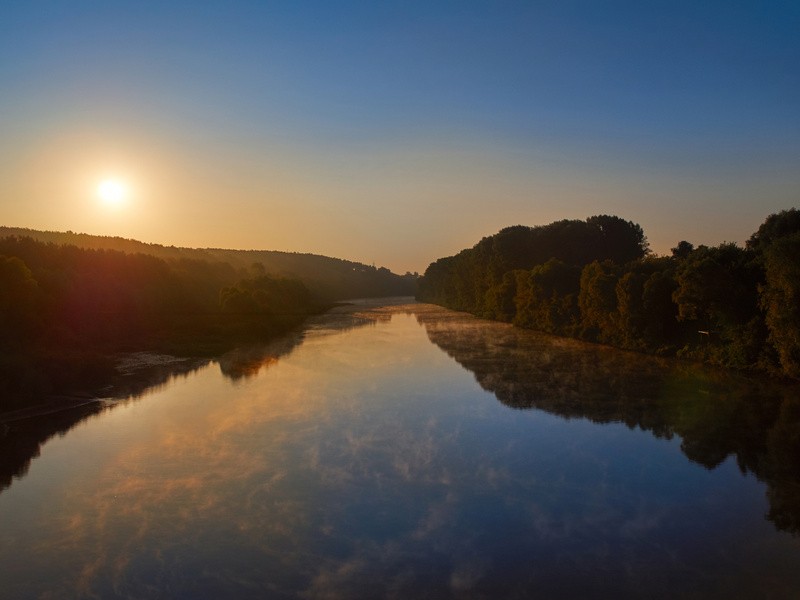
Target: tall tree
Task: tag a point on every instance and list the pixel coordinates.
(780, 299)
(621, 241)
(776, 226)
(19, 299)
(717, 293)
(598, 302)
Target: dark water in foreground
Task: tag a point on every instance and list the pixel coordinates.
(412, 452)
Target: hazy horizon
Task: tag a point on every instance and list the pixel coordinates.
(392, 134)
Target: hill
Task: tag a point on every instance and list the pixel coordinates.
(327, 278)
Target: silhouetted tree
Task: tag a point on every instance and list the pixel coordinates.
(266, 295)
(19, 300)
(717, 293)
(780, 299)
(682, 250)
(778, 225)
(660, 329)
(595, 279)
(499, 303)
(547, 298)
(598, 302)
(622, 241)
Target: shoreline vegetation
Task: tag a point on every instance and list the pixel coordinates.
(596, 280)
(67, 312)
(52, 380)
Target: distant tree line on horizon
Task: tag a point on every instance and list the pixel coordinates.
(326, 277)
(596, 280)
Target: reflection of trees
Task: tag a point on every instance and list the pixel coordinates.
(23, 433)
(247, 361)
(24, 439)
(716, 414)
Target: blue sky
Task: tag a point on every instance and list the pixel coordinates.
(398, 132)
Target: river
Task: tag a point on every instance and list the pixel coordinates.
(407, 451)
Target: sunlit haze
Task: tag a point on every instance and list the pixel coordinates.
(112, 192)
(396, 133)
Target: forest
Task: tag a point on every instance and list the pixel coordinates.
(66, 310)
(597, 280)
(324, 276)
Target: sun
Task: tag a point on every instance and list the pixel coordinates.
(112, 192)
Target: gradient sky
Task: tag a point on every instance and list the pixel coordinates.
(397, 132)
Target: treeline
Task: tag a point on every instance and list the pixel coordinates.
(596, 280)
(64, 310)
(325, 277)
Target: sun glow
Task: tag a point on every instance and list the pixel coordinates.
(112, 192)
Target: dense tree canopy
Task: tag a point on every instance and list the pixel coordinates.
(464, 281)
(64, 310)
(780, 299)
(265, 295)
(596, 280)
(325, 277)
(777, 226)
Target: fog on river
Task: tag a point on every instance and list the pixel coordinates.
(406, 451)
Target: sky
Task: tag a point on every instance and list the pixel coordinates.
(396, 133)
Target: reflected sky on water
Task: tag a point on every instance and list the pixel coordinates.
(408, 451)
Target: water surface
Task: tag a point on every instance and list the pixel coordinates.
(406, 451)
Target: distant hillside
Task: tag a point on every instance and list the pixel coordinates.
(328, 278)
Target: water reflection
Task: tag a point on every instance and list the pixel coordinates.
(360, 461)
(23, 433)
(716, 413)
(216, 471)
(248, 361)
(21, 441)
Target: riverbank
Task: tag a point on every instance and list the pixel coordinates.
(59, 378)
(432, 432)
(44, 377)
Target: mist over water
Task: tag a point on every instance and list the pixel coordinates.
(409, 451)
